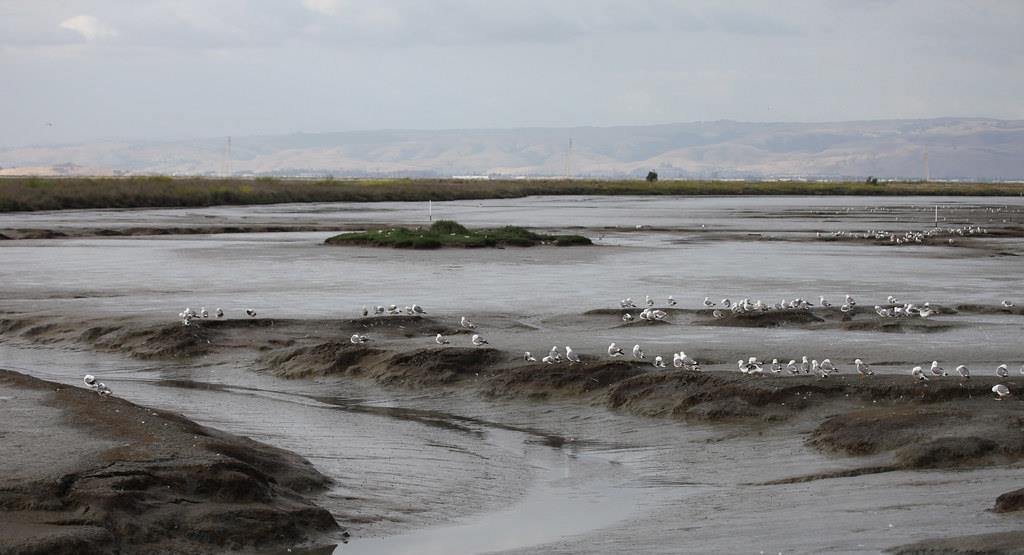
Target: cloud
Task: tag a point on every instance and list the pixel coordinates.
(89, 27)
(326, 7)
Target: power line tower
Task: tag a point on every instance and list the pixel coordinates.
(227, 158)
(568, 161)
(927, 170)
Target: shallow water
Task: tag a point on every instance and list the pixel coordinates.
(455, 474)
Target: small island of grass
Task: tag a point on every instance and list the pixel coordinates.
(449, 234)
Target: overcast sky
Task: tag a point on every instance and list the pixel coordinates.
(80, 70)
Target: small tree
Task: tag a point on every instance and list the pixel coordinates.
(652, 176)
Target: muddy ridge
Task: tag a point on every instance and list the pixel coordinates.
(125, 479)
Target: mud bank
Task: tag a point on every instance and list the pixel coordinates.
(1004, 543)
(123, 478)
(145, 231)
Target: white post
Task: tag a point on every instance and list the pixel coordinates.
(936, 215)
(430, 211)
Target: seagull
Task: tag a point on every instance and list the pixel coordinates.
(862, 368)
(571, 355)
(464, 322)
(659, 362)
(219, 312)
(1007, 304)
(547, 360)
(824, 303)
(919, 374)
(963, 371)
(726, 302)
(845, 308)
(688, 363)
(203, 313)
(937, 370)
(827, 366)
(614, 350)
(648, 301)
(528, 357)
(671, 301)
(417, 309)
(805, 365)
(677, 360)
(1001, 391)
(102, 389)
(478, 341)
(850, 301)
(627, 317)
(377, 310)
(891, 300)
(90, 381)
(441, 340)
(717, 314)
(1002, 371)
(365, 311)
(792, 367)
(554, 354)
(708, 303)
(627, 303)
(250, 312)
(357, 339)
(638, 354)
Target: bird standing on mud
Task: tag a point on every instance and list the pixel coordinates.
(792, 367)
(356, 339)
(478, 341)
(659, 362)
(918, 373)
(1002, 371)
(464, 322)
(638, 353)
(964, 372)
(250, 312)
(571, 355)
(529, 357)
(1001, 391)
(937, 370)
(614, 350)
(220, 312)
(862, 368)
(441, 340)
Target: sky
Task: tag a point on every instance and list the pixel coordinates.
(88, 70)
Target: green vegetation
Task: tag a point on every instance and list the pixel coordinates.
(36, 193)
(446, 233)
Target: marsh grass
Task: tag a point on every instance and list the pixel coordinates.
(57, 193)
(446, 233)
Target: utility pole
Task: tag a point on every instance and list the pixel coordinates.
(568, 161)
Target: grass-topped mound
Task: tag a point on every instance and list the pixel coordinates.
(447, 234)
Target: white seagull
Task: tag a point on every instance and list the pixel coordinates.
(1002, 371)
(963, 371)
(441, 340)
(90, 381)
(1001, 391)
(203, 313)
(250, 312)
(219, 312)
(659, 362)
(614, 350)
(638, 354)
(827, 366)
(464, 322)
(671, 301)
(937, 370)
(918, 373)
(792, 367)
(365, 311)
(529, 357)
(478, 341)
(805, 365)
(627, 317)
(571, 355)
(1007, 304)
(824, 303)
(862, 368)
(708, 303)
(417, 309)
(357, 339)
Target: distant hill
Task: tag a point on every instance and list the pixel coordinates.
(957, 148)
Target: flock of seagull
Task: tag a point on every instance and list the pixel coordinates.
(908, 237)
(751, 366)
